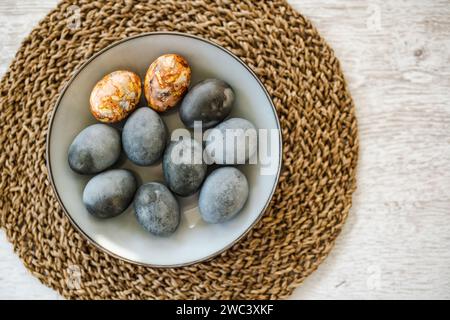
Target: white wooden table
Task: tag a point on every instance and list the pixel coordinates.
(396, 57)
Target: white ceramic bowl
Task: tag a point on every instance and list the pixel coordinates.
(122, 236)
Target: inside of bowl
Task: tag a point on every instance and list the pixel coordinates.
(122, 236)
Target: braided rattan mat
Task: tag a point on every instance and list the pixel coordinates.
(317, 116)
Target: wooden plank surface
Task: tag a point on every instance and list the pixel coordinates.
(396, 57)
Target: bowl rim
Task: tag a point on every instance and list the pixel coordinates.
(50, 126)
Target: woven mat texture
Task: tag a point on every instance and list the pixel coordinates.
(320, 143)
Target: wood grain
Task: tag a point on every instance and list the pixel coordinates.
(396, 57)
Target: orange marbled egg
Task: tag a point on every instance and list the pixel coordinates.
(115, 96)
(166, 81)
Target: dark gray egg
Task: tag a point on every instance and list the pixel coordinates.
(233, 141)
(209, 101)
(144, 137)
(183, 166)
(109, 193)
(223, 195)
(94, 149)
(157, 209)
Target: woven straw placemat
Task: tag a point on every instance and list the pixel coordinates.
(320, 147)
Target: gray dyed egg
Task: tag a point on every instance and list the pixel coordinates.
(223, 195)
(183, 166)
(233, 141)
(144, 137)
(109, 193)
(157, 209)
(209, 101)
(94, 149)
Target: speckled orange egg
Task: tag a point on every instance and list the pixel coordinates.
(166, 81)
(115, 96)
